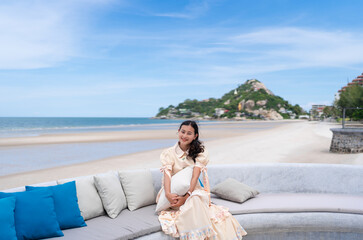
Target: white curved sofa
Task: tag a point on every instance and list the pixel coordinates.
(296, 201)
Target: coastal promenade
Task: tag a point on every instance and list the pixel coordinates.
(289, 141)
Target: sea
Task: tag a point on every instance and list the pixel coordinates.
(19, 159)
(34, 126)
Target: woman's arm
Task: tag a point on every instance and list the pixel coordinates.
(194, 181)
(181, 199)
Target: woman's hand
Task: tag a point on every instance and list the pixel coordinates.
(172, 198)
(180, 201)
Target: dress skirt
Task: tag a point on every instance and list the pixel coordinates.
(197, 219)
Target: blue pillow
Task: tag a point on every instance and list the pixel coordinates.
(34, 215)
(66, 204)
(7, 222)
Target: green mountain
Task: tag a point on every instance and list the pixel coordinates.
(249, 100)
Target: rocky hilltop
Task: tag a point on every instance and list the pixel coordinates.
(249, 100)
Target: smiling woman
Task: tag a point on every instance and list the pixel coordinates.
(193, 216)
(189, 139)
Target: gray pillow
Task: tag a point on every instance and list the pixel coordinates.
(233, 190)
(109, 188)
(89, 201)
(138, 187)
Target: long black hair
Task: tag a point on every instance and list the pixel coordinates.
(196, 146)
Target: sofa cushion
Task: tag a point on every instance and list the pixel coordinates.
(293, 235)
(111, 193)
(138, 187)
(89, 201)
(233, 190)
(293, 177)
(7, 218)
(65, 204)
(295, 202)
(294, 226)
(22, 188)
(300, 222)
(35, 215)
(127, 225)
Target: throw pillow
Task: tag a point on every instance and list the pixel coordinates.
(65, 203)
(233, 190)
(111, 193)
(180, 183)
(89, 201)
(7, 222)
(35, 215)
(138, 187)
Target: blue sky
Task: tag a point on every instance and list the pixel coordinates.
(105, 58)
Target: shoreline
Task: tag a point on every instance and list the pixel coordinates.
(130, 135)
(60, 130)
(300, 141)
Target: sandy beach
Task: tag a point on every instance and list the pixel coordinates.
(227, 143)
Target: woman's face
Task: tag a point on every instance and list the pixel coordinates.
(186, 134)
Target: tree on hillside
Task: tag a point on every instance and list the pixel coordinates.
(352, 97)
(331, 111)
(231, 102)
(298, 110)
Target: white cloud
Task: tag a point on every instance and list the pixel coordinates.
(38, 33)
(172, 15)
(222, 54)
(301, 48)
(193, 10)
(32, 35)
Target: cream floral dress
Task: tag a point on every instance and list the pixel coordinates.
(197, 219)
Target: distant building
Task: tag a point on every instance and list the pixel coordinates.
(184, 111)
(304, 117)
(317, 110)
(220, 111)
(196, 114)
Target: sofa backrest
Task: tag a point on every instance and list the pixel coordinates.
(278, 177)
(21, 189)
(288, 177)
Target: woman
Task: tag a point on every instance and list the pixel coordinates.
(193, 216)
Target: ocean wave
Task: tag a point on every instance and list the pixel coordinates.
(86, 127)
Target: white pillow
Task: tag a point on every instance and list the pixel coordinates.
(180, 183)
(111, 193)
(89, 201)
(138, 187)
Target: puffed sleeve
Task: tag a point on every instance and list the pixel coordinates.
(166, 159)
(202, 159)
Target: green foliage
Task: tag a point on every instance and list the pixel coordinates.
(352, 97)
(331, 111)
(244, 92)
(162, 111)
(229, 114)
(357, 115)
(298, 110)
(285, 115)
